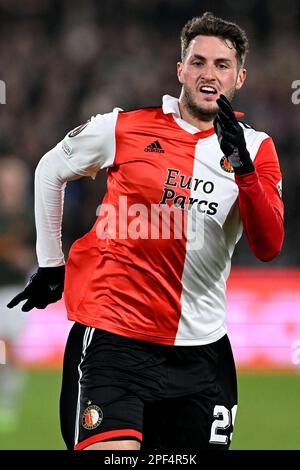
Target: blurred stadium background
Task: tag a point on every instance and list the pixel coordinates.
(63, 61)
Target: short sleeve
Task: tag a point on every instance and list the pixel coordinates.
(91, 147)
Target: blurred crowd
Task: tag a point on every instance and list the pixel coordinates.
(63, 61)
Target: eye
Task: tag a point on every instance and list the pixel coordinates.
(222, 65)
(198, 62)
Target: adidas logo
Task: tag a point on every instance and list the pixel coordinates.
(154, 147)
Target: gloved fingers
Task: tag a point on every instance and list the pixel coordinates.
(225, 101)
(229, 137)
(227, 148)
(29, 305)
(41, 305)
(224, 123)
(227, 123)
(215, 121)
(17, 299)
(217, 126)
(225, 106)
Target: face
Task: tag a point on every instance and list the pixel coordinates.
(209, 68)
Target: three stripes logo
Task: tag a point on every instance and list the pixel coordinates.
(154, 147)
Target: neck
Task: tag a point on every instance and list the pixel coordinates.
(188, 116)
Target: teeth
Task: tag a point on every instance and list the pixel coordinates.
(208, 89)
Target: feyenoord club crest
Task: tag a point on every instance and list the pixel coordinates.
(92, 417)
(225, 165)
(78, 129)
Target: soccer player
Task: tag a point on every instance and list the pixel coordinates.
(148, 363)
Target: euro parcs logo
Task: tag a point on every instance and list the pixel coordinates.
(2, 92)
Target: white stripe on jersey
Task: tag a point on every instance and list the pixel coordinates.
(206, 269)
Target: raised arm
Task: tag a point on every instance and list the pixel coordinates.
(259, 184)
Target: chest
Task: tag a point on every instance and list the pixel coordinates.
(166, 169)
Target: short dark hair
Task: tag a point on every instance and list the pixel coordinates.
(210, 25)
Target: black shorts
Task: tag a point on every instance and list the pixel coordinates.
(166, 397)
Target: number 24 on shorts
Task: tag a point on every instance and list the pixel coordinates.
(225, 419)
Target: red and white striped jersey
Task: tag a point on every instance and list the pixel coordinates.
(125, 275)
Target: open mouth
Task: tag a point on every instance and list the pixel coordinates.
(208, 89)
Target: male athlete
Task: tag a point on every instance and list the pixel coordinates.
(148, 363)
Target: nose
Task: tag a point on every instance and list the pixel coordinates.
(208, 72)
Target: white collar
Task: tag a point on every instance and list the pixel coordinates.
(170, 106)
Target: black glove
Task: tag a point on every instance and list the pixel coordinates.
(231, 138)
(44, 287)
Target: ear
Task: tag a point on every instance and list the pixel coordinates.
(242, 74)
(180, 72)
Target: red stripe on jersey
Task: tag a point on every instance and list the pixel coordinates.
(128, 286)
(267, 167)
(105, 436)
(261, 206)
